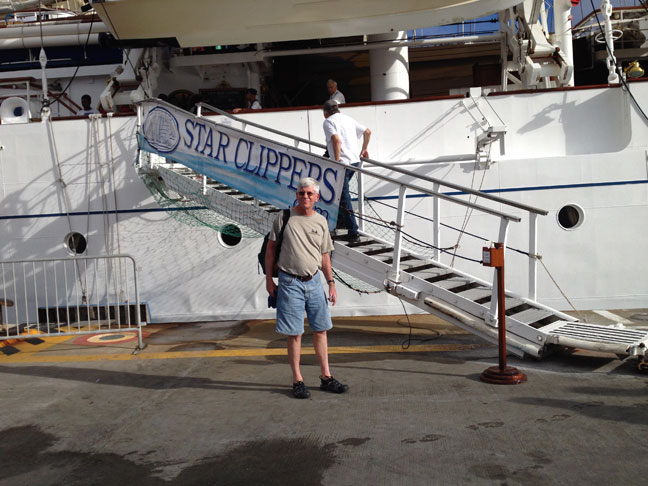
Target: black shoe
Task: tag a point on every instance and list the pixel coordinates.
(332, 385)
(353, 238)
(300, 390)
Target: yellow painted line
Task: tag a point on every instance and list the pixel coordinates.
(231, 353)
(21, 345)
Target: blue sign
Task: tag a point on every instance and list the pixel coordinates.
(257, 166)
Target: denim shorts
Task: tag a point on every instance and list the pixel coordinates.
(294, 297)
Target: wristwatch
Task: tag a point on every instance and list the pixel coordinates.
(330, 281)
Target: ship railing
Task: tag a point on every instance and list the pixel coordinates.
(71, 296)
(366, 170)
(28, 88)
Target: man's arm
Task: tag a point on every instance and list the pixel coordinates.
(366, 135)
(271, 250)
(328, 274)
(337, 146)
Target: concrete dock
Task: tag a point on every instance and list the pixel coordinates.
(211, 404)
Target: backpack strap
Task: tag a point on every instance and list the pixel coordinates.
(286, 216)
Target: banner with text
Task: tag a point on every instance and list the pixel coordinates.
(264, 169)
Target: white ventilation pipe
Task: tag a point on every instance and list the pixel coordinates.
(59, 40)
(563, 27)
(71, 28)
(389, 68)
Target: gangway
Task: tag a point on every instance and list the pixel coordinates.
(469, 302)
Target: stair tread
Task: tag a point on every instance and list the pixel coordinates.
(453, 282)
(474, 294)
(530, 316)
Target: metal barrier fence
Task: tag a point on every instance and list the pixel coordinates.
(77, 295)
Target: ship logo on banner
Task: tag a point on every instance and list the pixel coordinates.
(257, 166)
(161, 130)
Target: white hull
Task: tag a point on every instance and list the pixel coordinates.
(581, 146)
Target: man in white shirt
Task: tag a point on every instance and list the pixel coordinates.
(253, 103)
(343, 135)
(86, 102)
(250, 101)
(334, 94)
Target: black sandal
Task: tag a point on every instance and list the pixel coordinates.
(332, 385)
(300, 390)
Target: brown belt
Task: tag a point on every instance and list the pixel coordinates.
(299, 277)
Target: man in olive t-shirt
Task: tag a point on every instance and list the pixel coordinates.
(304, 252)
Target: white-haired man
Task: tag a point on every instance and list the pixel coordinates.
(304, 252)
(335, 94)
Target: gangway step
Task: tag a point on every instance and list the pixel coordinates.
(621, 341)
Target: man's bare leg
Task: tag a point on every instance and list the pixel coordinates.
(294, 356)
(320, 343)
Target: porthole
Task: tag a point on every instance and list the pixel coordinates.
(230, 236)
(571, 217)
(75, 243)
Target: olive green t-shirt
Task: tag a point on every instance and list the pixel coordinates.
(305, 240)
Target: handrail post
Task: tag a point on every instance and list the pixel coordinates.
(502, 374)
(361, 198)
(436, 209)
(398, 237)
(503, 232)
(533, 259)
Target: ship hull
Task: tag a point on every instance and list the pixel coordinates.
(580, 147)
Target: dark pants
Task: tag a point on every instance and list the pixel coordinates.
(345, 213)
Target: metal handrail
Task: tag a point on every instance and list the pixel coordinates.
(385, 178)
(393, 168)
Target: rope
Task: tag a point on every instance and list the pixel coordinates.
(407, 236)
(469, 210)
(66, 198)
(114, 184)
(445, 225)
(338, 276)
(539, 257)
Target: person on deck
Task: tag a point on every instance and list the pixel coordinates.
(304, 252)
(86, 102)
(334, 94)
(251, 101)
(342, 143)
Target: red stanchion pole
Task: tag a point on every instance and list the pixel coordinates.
(502, 374)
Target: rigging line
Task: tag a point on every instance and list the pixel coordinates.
(561, 291)
(55, 99)
(102, 184)
(88, 180)
(415, 241)
(409, 325)
(66, 198)
(412, 239)
(114, 184)
(57, 160)
(126, 51)
(469, 210)
(643, 4)
(614, 59)
(40, 22)
(339, 277)
(445, 225)
(408, 237)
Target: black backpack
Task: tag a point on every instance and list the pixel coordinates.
(264, 247)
